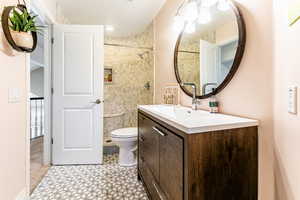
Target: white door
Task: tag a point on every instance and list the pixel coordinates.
(208, 65)
(77, 94)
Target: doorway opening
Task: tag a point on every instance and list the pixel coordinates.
(38, 104)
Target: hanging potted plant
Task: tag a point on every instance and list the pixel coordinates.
(21, 27)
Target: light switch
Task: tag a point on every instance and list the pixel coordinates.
(14, 95)
(292, 100)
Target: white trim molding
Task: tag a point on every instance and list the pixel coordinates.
(49, 20)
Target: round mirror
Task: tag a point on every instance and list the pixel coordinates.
(209, 51)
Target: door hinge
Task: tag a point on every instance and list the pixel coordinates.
(52, 40)
(52, 90)
(51, 140)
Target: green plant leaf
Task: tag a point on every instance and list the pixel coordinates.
(18, 27)
(22, 21)
(28, 25)
(13, 27)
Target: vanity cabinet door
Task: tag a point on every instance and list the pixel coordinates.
(148, 146)
(170, 164)
(148, 179)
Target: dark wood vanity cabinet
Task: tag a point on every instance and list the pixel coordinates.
(219, 165)
(160, 160)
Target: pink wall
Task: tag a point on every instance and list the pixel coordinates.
(250, 92)
(286, 126)
(12, 120)
(14, 162)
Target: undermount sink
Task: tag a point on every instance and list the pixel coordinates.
(196, 121)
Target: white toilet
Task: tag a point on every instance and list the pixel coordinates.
(126, 139)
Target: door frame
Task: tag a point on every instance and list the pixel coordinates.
(47, 19)
(47, 83)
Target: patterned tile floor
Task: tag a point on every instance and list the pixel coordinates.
(91, 182)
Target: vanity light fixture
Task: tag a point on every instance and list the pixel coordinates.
(204, 16)
(190, 27)
(208, 3)
(178, 23)
(191, 11)
(109, 28)
(223, 5)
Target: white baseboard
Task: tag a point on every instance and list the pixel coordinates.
(22, 195)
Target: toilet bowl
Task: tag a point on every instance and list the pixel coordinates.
(126, 139)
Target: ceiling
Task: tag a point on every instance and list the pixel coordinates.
(127, 16)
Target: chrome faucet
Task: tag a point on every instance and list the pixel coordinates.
(194, 87)
(206, 85)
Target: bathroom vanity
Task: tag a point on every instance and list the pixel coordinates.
(195, 155)
(189, 154)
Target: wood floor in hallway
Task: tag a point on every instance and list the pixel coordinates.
(37, 169)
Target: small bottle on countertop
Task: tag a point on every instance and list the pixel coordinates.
(213, 103)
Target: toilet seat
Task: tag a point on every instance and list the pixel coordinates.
(125, 133)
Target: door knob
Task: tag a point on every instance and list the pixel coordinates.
(98, 101)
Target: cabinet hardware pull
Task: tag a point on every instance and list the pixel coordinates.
(158, 192)
(159, 131)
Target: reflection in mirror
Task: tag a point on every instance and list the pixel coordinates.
(205, 56)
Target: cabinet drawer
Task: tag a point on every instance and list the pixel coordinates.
(150, 183)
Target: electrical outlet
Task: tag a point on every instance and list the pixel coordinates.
(292, 100)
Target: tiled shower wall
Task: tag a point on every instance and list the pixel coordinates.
(131, 59)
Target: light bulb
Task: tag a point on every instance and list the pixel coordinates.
(178, 23)
(190, 27)
(191, 11)
(223, 5)
(208, 3)
(204, 16)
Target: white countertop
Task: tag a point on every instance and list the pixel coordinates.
(190, 121)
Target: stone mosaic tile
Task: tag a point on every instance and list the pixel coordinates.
(91, 182)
